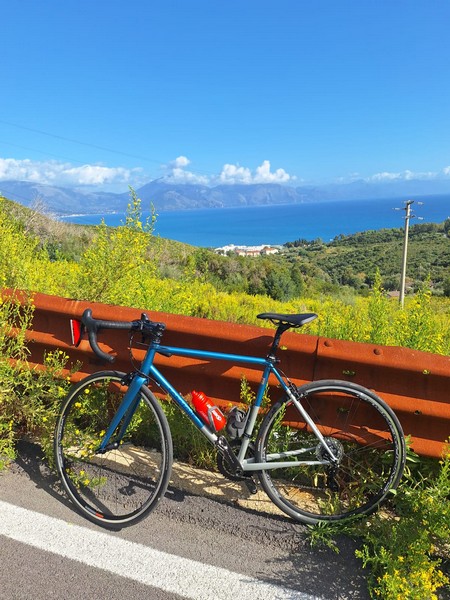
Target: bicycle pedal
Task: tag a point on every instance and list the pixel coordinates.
(251, 486)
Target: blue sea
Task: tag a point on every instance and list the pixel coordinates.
(255, 225)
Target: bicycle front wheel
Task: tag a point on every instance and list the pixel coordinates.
(120, 486)
(358, 427)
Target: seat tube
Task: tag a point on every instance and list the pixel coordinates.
(254, 411)
(263, 385)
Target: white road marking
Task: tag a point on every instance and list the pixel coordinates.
(187, 578)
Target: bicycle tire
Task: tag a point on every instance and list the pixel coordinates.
(362, 431)
(120, 487)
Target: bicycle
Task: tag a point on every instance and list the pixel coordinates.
(326, 451)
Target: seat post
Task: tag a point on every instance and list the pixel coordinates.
(282, 327)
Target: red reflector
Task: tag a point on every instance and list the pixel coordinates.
(76, 330)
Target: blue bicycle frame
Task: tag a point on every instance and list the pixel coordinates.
(149, 371)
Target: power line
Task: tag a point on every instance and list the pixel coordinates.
(90, 145)
(57, 156)
(73, 141)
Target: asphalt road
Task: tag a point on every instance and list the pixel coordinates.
(191, 546)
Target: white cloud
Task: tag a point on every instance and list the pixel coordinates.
(179, 175)
(97, 175)
(402, 176)
(384, 176)
(264, 175)
(56, 173)
(11, 168)
(66, 174)
(230, 174)
(446, 171)
(236, 174)
(180, 162)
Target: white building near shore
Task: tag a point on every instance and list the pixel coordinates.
(264, 249)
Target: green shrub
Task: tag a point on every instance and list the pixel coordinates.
(405, 551)
(29, 397)
(406, 546)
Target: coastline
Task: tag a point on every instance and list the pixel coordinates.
(278, 224)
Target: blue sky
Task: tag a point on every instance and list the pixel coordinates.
(111, 93)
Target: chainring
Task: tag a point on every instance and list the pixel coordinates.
(228, 470)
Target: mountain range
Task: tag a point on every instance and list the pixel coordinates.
(165, 195)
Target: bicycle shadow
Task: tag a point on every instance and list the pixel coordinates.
(31, 460)
(185, 480)
(317, 571)
(191, 481)
(322, 573)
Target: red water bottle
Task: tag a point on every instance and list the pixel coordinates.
(210, 414)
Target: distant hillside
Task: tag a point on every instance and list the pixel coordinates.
(165, 195)
(62, 200)
(353, 260)
(344, 266)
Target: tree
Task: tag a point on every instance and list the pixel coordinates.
(447, 227)
(446, 286)
(112, 265)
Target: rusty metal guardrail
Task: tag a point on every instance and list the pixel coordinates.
(415, 384)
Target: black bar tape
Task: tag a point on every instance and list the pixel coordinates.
(93, 326)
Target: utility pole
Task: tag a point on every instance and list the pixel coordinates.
(407, 209)
(408, 216)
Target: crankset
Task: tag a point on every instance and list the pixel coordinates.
(230, 471)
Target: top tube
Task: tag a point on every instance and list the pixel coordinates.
(207, 354)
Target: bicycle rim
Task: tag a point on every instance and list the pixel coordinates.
(120, 486)
(359, 428)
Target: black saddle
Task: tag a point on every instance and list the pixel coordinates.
(288, 320)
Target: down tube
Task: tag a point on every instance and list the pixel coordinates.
(181, 402)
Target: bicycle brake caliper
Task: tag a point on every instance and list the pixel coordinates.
(127, 379)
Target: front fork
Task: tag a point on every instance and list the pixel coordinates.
(124, 413)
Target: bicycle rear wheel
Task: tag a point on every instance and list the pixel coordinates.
(359, 428)
(119, 487)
